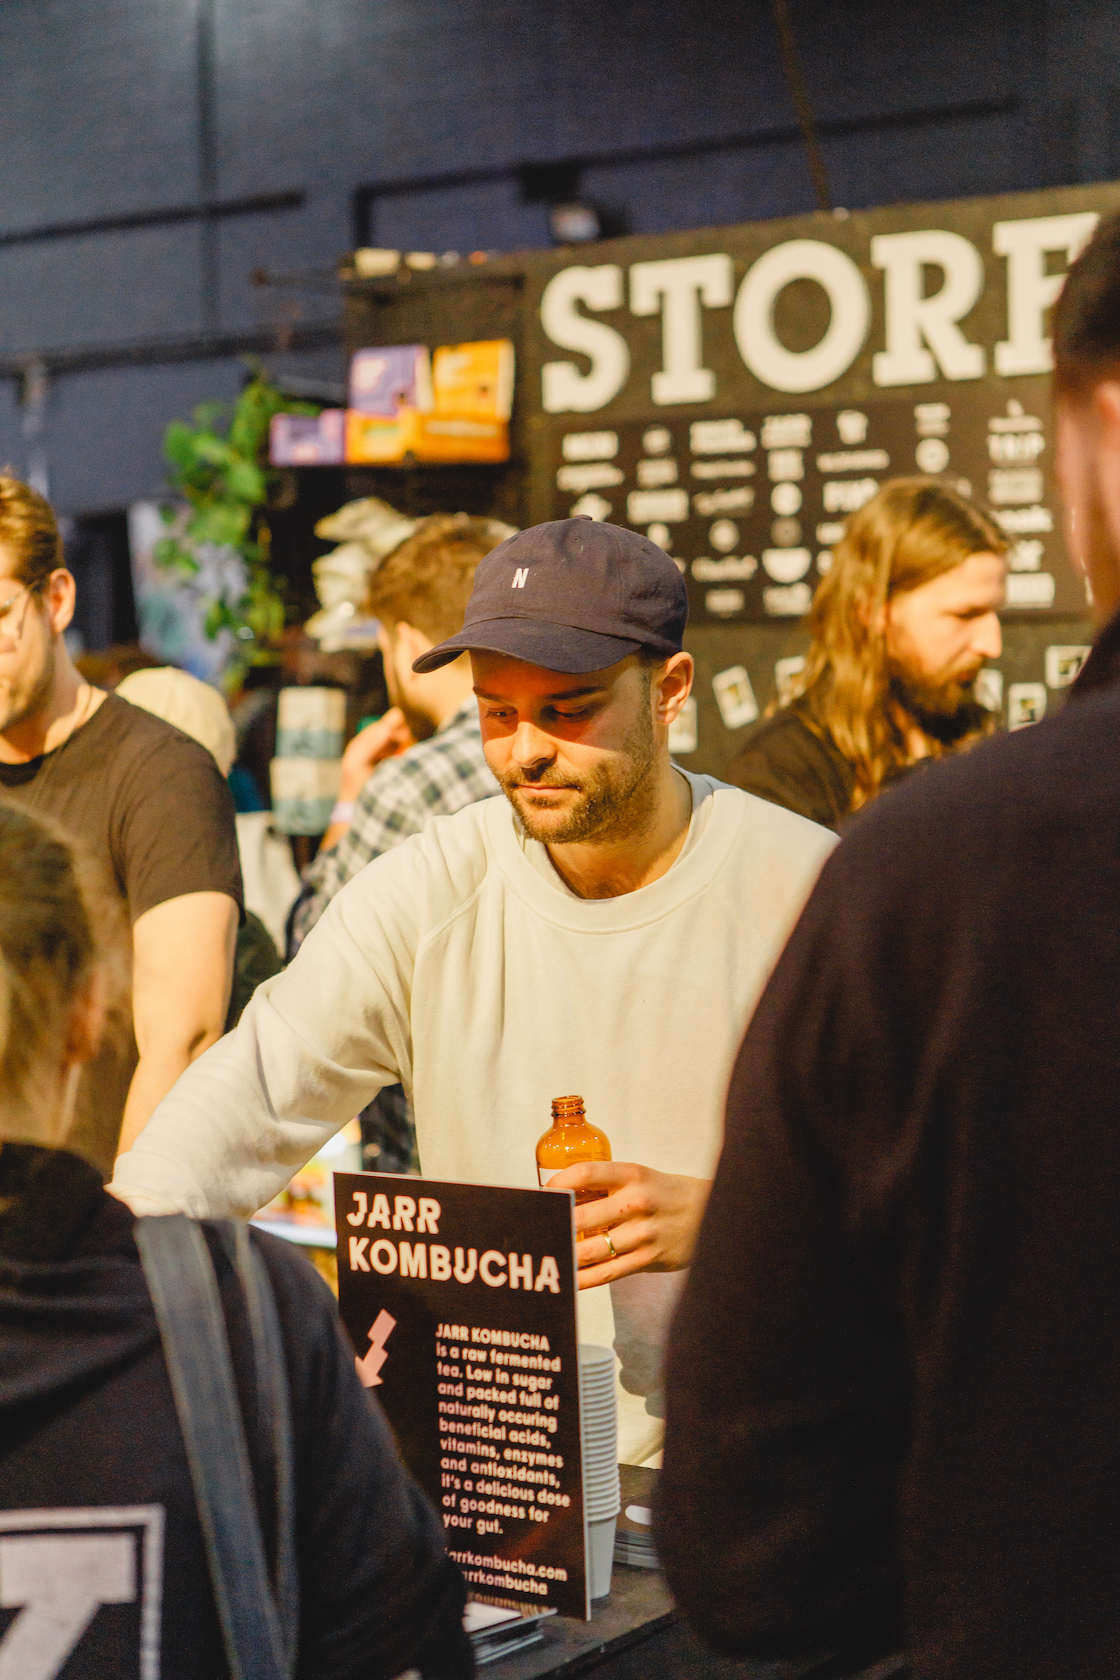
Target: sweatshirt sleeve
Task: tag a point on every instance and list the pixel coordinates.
(314, 1046)
(786, 1374)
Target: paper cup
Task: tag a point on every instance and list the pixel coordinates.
(600, 1555)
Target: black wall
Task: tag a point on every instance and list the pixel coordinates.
(291, 122)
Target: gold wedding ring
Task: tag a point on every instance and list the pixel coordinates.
(613, 1252)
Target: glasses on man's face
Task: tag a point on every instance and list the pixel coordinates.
(9, 623)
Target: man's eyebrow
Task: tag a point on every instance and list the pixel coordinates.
(561, 694)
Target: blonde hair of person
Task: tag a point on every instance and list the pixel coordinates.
(909, 533)
(61, 933)
(29, 529)
(428, 578)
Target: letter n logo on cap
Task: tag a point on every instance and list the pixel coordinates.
(519, 577)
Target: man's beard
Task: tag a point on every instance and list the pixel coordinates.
(945, 710)
(25, 699)
(617, 798)
(420, 724)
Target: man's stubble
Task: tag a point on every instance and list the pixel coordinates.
(618, 798)
(21, 700)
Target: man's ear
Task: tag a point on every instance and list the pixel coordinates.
(59, 599)
(672, 684)
(410, 642)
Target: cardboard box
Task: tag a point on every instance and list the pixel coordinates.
(298, 440)
(380, 438)
(461, 437)
(474, 380)
(391, 377)
(456, 410)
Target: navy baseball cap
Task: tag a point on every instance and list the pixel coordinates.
(572, 596)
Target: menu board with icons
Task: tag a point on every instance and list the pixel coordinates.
(750, 505)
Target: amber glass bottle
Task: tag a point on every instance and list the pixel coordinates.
(571, 1139)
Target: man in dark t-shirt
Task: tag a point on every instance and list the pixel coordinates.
(149, 804)
(901, 627)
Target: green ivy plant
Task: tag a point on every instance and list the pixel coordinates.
(219, 465)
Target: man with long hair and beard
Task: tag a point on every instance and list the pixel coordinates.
(902, 625)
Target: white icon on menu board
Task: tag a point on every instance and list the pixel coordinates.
(787, 600)
(643, 507)
(1025, 556)
(719, 437)
(846, 495)
(724, 603)
(852, 426)
(1063, 664)
(932, 419)
(785, 499)
(1026, 703)
(1030, 589)
(735, 697)
(682, 731)
(932, 455)
(590, 446)
(786, 463)
(786, 565)
(988, 689)
(723, 535)
(739, 499)
(587, 475)
(1012, 485)
(657, 440)
(592, 506)
(787, 431)
(786, 671)
(661, 470)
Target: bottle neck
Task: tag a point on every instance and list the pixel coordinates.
(568, 1111)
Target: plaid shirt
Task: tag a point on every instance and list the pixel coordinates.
(432, 779)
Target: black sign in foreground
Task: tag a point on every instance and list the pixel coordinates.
(461, 1302)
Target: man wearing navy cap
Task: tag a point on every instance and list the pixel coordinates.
(605, 928)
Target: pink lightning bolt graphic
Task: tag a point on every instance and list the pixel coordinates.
(383, 1326)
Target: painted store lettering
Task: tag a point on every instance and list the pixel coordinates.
(924, 335)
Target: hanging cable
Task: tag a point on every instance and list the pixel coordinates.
(804, 111)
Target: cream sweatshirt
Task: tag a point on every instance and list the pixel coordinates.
(460, 964)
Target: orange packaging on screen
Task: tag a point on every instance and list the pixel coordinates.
(569, 1140)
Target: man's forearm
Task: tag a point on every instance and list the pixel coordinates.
(225, 1140)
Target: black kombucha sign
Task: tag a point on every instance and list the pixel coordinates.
(460, 1300)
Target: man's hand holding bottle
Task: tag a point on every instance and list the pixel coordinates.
(648, 1222)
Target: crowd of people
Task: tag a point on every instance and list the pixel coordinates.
(890, 1390)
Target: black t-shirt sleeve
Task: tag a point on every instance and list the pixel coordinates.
(176, 832)
(379, 1594)
(783, 761)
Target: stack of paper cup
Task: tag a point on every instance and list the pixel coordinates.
(598, 1419)
(306, 772)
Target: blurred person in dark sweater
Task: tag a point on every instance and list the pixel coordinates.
(894, 1379)
(102, 1557)
(902, 624)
